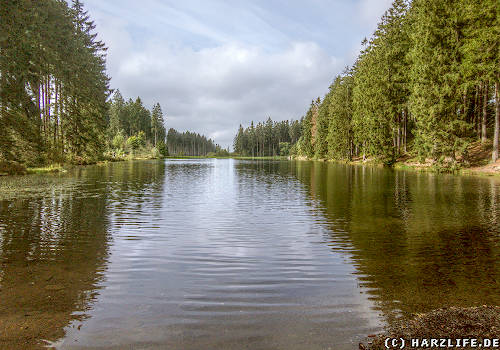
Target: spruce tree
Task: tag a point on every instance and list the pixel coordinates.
(435, 100)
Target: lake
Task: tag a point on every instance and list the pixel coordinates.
(232, 254)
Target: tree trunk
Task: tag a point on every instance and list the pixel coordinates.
(464, 105)
(49, 112)
(56, 115)
(405, 128)
(399, 138)
(477, 102)
(497, 118)
(485, 113)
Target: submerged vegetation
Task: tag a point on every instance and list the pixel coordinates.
(424, 86)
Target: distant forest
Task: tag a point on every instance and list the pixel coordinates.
(190, 144)
(132, 126)
(425, 84)
(267, 139)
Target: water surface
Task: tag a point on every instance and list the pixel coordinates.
(226, 254)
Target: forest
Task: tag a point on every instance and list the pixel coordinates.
(267, 139)
(192, 144)
(132, 128)
(55, 104)
(424, 85)
(53, 84)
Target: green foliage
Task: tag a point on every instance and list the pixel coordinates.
(446, 165)
(155, 153)
(118, 140)
(380, 87)
(423, 85)
(136, 127)
(52, 95)
(189, 144)
(306, 142)
(323, 122)
(11, 168)
(338, 106)
(436, 93)
(141, 138)
(240, 142)
(265, 138)
(284, 148)
(220, 152)
(162, 149)
(135, 141)
(157, 125)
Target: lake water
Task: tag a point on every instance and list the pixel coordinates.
(229, 254)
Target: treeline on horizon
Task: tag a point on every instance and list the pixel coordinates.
(54, 94)
(192, 144)
(267, 139)
(132, 128)
(424, 85)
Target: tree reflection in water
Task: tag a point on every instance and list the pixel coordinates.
(419, 241)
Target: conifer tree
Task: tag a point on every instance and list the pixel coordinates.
(435, 100)
(340, 131)
(157, 123)
(481, 56)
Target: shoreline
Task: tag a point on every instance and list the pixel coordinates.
(488, 170)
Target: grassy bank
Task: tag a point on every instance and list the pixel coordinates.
(54, 168)
(16, 168)
(488, 169)
(477, 162)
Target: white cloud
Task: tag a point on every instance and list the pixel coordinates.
(212, 67)
(371, 11)
(213, 90)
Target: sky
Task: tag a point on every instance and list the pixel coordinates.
(215, 64)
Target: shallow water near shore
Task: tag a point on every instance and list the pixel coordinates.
(231, 254)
